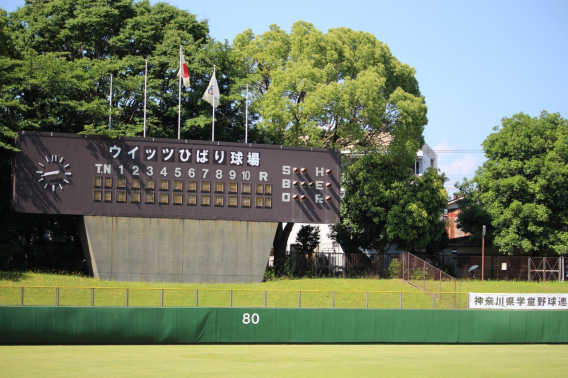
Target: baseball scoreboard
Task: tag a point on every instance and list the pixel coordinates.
(57, 173)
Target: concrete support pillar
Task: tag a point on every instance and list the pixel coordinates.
(176, 250)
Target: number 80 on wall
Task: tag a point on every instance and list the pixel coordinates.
(248, 318)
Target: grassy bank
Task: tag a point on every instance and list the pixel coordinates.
(28, 279)
(76, 290)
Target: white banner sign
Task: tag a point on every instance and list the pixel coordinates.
(508, 301)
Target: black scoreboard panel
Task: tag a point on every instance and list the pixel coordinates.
(58, 173)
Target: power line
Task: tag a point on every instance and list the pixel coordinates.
(459, 151)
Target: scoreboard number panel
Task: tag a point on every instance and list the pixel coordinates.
(56, 173)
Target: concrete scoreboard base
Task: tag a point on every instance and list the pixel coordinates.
(176, 250)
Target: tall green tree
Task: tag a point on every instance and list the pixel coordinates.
(67, 50)
(341, 89)
(309, 237)
(386, 204)
(10, 76)
(521, 190)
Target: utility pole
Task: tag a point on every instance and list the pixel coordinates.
(484, 229)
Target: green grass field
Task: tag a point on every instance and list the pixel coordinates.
(286, 361)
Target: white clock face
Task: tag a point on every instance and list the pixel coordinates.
(54, 173)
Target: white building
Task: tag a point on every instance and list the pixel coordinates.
(425, 158)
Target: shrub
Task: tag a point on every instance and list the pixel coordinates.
(417, 274)
(395, 269)
(356, 271)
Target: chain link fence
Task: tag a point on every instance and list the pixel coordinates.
(433, 281)
(518, 268)
(333, 264)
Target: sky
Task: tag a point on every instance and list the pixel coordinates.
(476, 61)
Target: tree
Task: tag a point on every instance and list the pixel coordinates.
(342, 89)
(385, 204)
(521, 190)
(9, 66)
(67, 51)
(309, 237)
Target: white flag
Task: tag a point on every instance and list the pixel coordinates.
(183, 70)
(211, 94)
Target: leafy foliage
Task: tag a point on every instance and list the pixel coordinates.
(395, 269)
(386, 203)
(520, 192)
(66, 51)
(309, 238)
(340, 89)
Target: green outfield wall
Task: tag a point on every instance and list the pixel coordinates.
(114, 325)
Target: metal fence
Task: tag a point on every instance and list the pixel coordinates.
(134, 297)
(332, 264)
(546, 269)
(520, 268)
(430, 279)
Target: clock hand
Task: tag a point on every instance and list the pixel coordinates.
(50, 173)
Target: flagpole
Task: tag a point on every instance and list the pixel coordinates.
(145, 92)
(246, 114)
(179, 93)
(213, 124)
(110, 105)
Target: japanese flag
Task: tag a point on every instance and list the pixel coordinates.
(183, 71)
(211, 94)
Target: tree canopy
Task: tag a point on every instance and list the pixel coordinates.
(385, 204)
(521, 191)
(61, 55)
(309, 238)
(342, 89)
